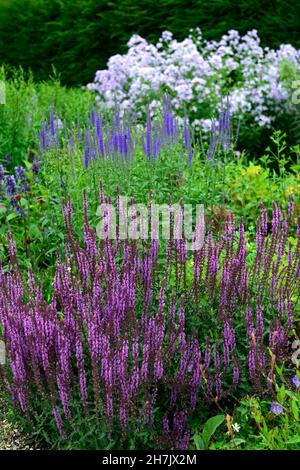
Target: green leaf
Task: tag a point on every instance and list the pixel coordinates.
(11, 216)
(295, 409)
(281, 394)
(294, 440)
(199, 442)
(239, 441)
(279, 370)
(210, 427)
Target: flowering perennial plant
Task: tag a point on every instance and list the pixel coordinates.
(124, 328)
(13, 187)
(197, 73)
(122, 138)
(117, 138)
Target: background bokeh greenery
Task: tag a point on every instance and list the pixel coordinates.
(40, 34)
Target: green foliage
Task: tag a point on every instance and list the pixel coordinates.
(26, 103)
(258, 427)
(210, 427)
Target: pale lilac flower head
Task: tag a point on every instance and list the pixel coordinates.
(276, 408)
(296, 381)
(193, 72)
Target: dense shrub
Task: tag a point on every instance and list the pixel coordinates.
(133, 339)
(197, 74)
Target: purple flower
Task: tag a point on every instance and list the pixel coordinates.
(128, 331)
(291, 207)
(276, 408)
(52, 120)
(22, 178)
(35, 167)
(1, 172)
(2, 182)
(296, 381)
(99, 134)
(44, 136)
(86, 157)
(11, 186)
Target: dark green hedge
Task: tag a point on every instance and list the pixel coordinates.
(78, 36)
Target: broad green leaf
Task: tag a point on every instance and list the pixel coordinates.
(199, 442)
(210, 427)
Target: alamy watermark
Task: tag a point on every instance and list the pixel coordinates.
(2, 353)
(2, 92)
(296, 354)
(162, 221)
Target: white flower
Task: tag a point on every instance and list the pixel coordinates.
(59, 124)
(236, 427)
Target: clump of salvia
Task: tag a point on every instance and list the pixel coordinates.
(122, 330)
